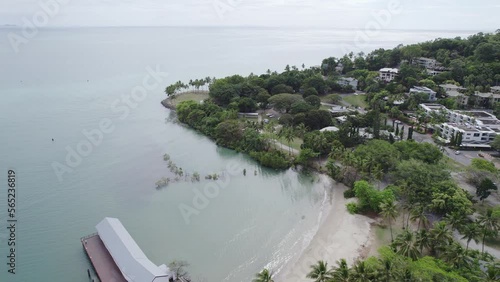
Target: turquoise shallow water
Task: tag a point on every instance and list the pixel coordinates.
(66, 81)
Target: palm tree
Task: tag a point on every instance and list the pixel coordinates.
(418, 212)
(301, 130)
(387, 268)
(378, 173)
(289, 136)
(441, 236)
(489, 225)
(280, 135)
(471, 232)
(389, 211)
(492, 273)
(455, 220)
(271, 130)
(455, 255)
(190, 82)
(320, 272)
(407, 245)
(341, 272)
(264, 276)
(361, 272)
(423, 240)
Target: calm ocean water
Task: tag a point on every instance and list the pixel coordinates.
(65, 82)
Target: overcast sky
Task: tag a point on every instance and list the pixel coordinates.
(415, 14)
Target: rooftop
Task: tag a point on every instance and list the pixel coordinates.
(330, 128)
(468, 127)
(421, 89)
(453, 93)
(389, 70)
(452, 86)
(433, 106)
(347, 78)
(487, 95)
(477, 114)
(129, 258)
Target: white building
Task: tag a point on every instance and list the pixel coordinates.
(495, 89)
(429, 108)
(430, 93)
(388, 74)
(346, 81)
(129, 258)
(330, 128)
(476, 118)
(477, 127)
(471, 135)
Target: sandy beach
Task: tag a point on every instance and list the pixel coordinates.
(340, 235)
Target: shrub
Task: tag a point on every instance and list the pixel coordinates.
(352, 208)
(349, 194)
(272, 159)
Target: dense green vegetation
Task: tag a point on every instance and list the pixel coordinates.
(391, 175)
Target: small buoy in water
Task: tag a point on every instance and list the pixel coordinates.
(52, 139)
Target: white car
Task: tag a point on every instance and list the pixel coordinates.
(457, 152)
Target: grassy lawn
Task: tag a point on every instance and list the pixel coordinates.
(453, 165)
(356, 100)
(325, 99)
(326, 108)
(294, 144)
(190, 96)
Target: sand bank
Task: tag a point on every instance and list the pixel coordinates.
(340, 235)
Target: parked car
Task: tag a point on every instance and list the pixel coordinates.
(457, 152)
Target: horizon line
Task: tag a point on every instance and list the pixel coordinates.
(246, 26)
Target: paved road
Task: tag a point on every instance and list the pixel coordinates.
(472, 245)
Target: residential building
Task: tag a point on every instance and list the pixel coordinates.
(435, 71)
(346, 81)
(430, 93)
(471, 135)
(452, 87)
(388, 74)
(429, 108)
(476, 118)
(495, 89)
(485, 99)
(456, 92)
(477, 127)
(427, 63)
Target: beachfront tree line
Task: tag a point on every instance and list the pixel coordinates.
(429, 207)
